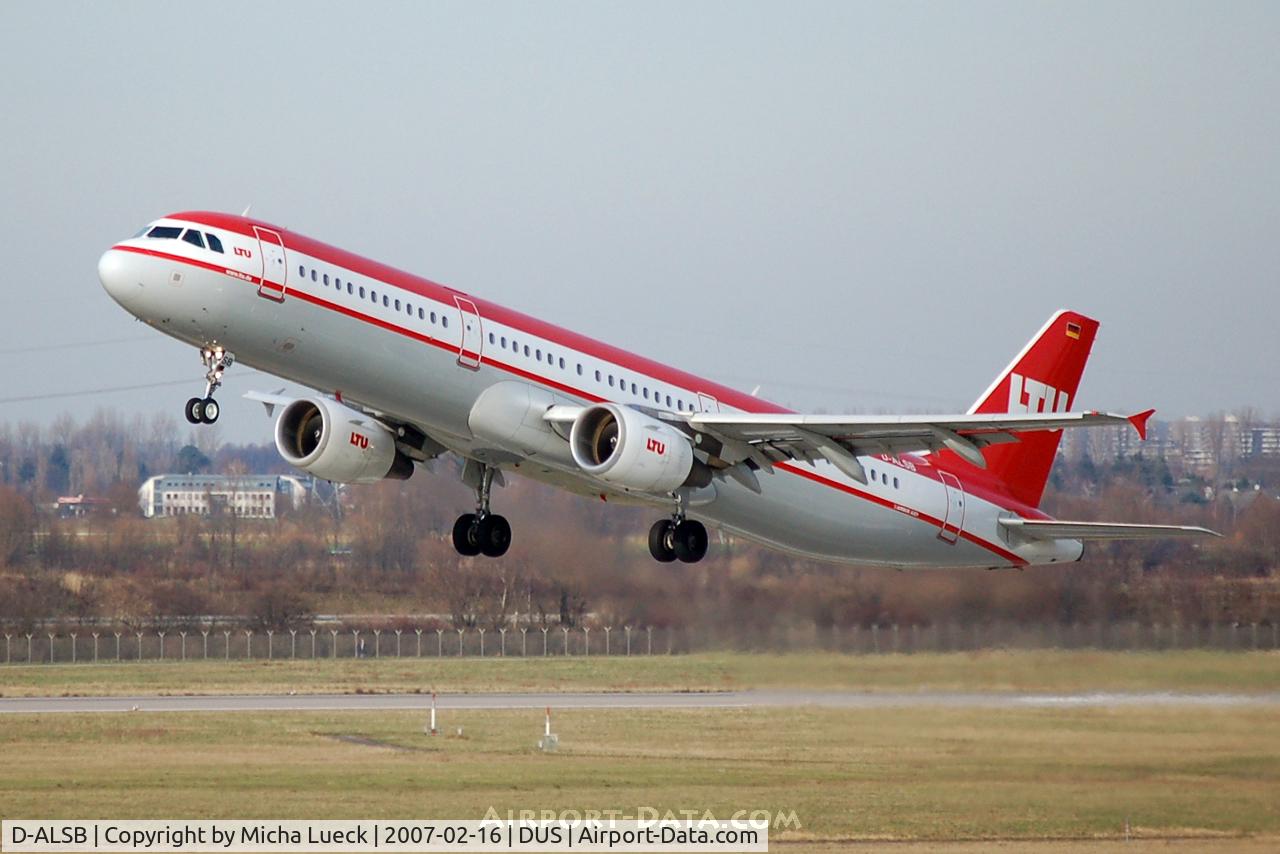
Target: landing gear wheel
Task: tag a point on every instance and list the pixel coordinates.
(493, 534)
(660, 541)
(464, 535)
(690, 541)
(205, 410)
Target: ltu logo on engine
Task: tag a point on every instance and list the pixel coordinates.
(657, 447)
(359, 441)
(1028, 395)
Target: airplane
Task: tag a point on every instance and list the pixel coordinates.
(407, 370)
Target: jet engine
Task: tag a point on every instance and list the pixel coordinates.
(633, 451)
(335, 442)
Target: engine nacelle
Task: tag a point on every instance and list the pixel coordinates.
(335, 442)
(630, 450)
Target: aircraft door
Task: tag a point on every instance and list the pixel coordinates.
(472, 341)
(953, 515)
(274, 267)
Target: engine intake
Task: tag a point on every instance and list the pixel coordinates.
(631, 450)
(335, 442)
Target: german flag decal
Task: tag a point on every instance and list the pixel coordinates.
(1073, 331)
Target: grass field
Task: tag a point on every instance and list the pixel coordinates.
(930, 775)
(916, 779)
(1193, 671)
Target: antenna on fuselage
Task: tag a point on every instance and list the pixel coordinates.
(246, 209)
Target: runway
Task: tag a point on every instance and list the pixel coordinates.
(671, 700)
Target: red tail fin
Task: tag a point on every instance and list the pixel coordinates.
(1044, 377)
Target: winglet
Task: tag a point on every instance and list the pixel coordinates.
(1139, 422)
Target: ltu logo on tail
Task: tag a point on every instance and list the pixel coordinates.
(1028, 395)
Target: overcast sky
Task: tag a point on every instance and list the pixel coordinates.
(860, 207)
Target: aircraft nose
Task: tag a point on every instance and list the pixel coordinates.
(116, 277)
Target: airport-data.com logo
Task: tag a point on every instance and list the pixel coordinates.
(772, 819)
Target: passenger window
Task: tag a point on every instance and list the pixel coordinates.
(193, 237)
(444, 321)
(539, 355)
(397, 305)
(214, 243)
(526, 349)
(326, 280)
(551, 360)
(373, 295)
(408, 309)
(597, 376)
(302, 271)
(385, 301)
(610, 380)
(579, 369)
(433, 318)
(633, 388)
(668, 401)
(350, 287)
(646, 393)
(313, 275)
(895, 483)
(491, 338)
(337, 283)
(420, 313)
(503, 345)
(165, 232)
(362, 292)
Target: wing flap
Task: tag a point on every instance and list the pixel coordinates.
(841, 438)
(1038, 529)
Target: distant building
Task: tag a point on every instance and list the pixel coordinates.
(1196, 442)
(250, 496)
(76, 506)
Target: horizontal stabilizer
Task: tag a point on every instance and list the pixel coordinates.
(1037, 529)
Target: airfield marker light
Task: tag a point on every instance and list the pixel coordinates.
(549, 741)
(434, 731)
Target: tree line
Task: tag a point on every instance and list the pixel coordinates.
(384, 549)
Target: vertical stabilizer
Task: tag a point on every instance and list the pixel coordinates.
(1044, 377)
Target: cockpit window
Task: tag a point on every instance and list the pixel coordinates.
(214, 243)
(193, 237)
(167, 232)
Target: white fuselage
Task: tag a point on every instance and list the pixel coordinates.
(380, 339)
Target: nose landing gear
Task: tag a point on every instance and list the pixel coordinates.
(205, 410)
(482, 532)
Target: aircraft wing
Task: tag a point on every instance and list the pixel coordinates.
(1038, 529)
(840, 439)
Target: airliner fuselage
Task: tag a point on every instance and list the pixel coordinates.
(486, 383)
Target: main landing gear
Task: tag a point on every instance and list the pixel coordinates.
(482, 532)
(678, 537)
(205, 410)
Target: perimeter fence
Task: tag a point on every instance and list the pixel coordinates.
(101, 645)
